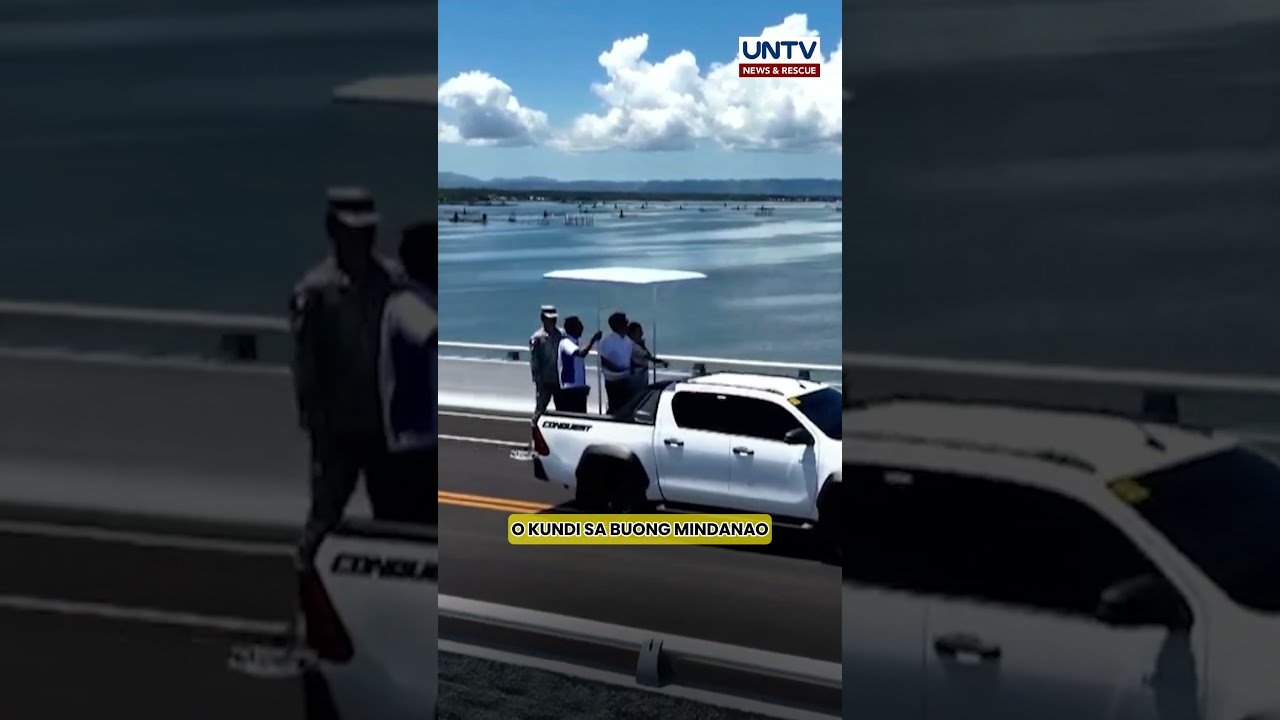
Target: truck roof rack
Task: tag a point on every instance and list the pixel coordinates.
(1051, 456)
(1135, 417)
(736, 386)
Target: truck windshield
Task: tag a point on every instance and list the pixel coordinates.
(823, 408)
(1222, 512)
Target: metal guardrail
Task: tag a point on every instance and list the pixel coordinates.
(699, 365)
(144, 316)
(793, 683)
(1163, 395)
(240, 337)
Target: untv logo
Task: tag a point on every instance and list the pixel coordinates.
(780, 57)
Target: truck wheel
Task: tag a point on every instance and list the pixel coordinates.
(611, 485)
(589, 496)
(830, 528)
(832, 544)
(627, 497)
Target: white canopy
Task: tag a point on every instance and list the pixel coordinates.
(624, 275)
(390, 89)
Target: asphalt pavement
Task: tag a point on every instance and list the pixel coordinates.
(127, 628)
(222, 447)
(780, 598)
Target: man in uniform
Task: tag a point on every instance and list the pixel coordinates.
(544, 352)
(336, 320)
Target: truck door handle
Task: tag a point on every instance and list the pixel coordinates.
(954, 646)
(673, 442)
(743, 451)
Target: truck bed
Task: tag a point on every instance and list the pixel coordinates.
(593, 417)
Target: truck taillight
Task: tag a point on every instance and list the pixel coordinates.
(540, 443)
(326, 634)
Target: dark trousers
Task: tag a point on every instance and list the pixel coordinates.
(618, 393)
(546, 393)
(407, 494)
(337, 461)
(573, 399)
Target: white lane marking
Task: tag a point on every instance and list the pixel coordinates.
(485, 441)
(482, 416)
(145, 539)
(153, 616)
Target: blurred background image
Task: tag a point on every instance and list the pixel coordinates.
(1059, 346)
(165, 168)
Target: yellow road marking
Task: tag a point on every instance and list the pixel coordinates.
(491, 503)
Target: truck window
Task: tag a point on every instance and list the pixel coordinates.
(1015, 545)
(760, 419)
(1222, 512)
(824, 408)
(643, 407)
(647, 409)
(701, 411)
(883, 530)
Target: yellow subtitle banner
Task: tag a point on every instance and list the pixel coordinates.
(639, 529)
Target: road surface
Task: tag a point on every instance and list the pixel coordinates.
(223, 446)
(92, 623)
(781, 598)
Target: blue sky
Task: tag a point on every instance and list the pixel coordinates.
(546, 52)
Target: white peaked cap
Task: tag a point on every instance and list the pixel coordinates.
(350, 193)
(359, 220)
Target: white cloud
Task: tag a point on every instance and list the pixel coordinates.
(778, 113)
(487, 113)
(651, 106)
(671, 104)
(667, 105)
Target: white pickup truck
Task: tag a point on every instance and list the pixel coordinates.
(726, 441)
(369, 618)
(1020, 562)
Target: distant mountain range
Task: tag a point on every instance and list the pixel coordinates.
(775, 187)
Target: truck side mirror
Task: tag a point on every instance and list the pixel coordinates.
(1144, 601)
(798, 436)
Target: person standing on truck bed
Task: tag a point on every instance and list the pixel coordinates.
(336, 321)
(573, 392)
(408, 370)
(641, 358)
(544, 346)
(615, 361)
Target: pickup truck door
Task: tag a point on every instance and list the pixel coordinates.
(1014, 580)
(691, 442)
(767, 475)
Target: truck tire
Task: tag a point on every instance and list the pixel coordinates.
(832, 543)
(830, 528)
(589, 496)
(611, 484)
(627, 496)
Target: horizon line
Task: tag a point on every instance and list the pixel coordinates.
(596, 179)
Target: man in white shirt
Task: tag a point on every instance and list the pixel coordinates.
(407, 374)
(615, 361)
(572, 366)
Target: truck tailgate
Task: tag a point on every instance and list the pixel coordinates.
(381, 580)
(567, 435)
